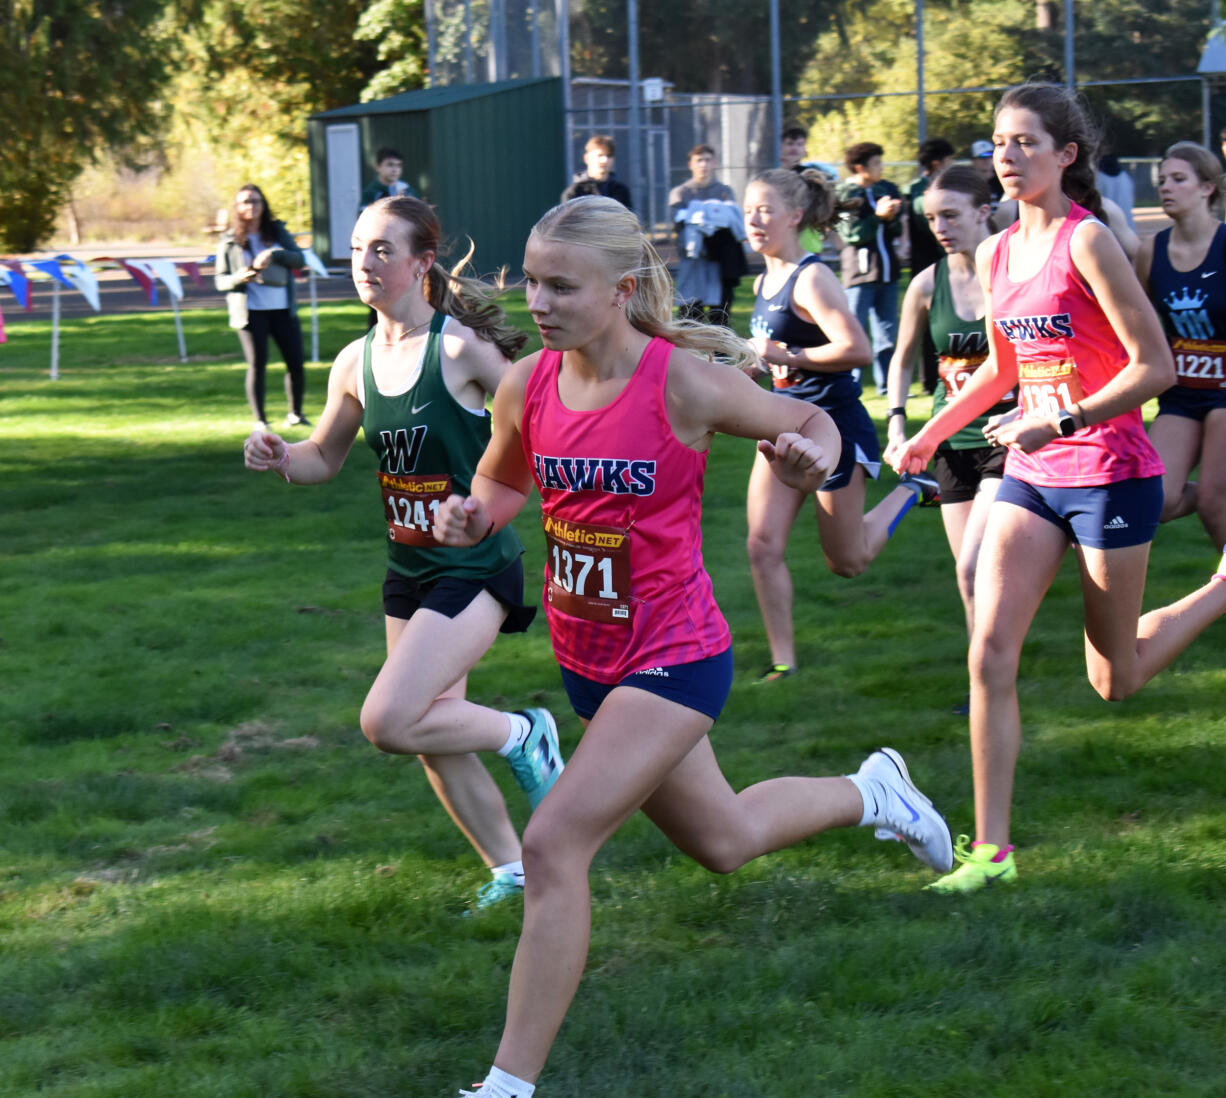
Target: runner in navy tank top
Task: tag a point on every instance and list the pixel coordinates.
(417, 385)
(1184, 270)
(804, 331)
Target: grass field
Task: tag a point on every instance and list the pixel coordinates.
(212, 887)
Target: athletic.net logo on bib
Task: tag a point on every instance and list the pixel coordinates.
(589, 570)
(1048, 385)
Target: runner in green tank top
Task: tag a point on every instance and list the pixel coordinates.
(417, 385)
(947, 300)
(428, 444)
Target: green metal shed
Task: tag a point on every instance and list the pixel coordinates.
(489, 157)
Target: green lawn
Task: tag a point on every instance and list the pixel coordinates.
(211, 885)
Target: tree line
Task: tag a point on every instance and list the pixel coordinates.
(145, 82)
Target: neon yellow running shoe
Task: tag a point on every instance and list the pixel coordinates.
(978, 870)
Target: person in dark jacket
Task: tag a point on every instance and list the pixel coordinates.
(597, 177)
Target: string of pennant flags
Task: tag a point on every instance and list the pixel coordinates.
(66, 271)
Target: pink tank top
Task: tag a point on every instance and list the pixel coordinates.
(1066, 350)
(621, 504)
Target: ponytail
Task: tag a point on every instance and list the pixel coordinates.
(472, 302)
(606, 226)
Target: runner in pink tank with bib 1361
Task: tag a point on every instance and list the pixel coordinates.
(1070, 325)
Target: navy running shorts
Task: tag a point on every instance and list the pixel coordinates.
(1098, 516)
(703, 685)
(959, 472)
(1180, 400)
(450, 595)
(860, 445)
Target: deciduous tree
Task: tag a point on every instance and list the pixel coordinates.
(77, 78)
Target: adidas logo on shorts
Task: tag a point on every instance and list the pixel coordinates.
(1116, 523)
(653, 671)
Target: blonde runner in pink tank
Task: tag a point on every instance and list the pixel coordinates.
(612, 422)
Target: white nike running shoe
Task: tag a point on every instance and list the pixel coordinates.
(904, 813)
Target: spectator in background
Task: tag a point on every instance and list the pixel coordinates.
(933, 157)
(1115, 183)
(981, 160)
(792, 145)
(255, 258)
(710, 230)
(597, 177)
(387, 182)
(871, 223)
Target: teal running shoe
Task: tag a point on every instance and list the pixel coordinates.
(537, 762)
(501, 886)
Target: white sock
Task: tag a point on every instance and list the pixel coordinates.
(510, 869)
(868, 795)
(498, 1084)
(518, 728)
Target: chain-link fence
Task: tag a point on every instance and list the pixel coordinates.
(477, 41)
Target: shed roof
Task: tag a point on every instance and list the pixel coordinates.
(426, 99)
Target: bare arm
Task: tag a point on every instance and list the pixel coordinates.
(1143, 262)
(503, 480)
(1117, 222)
(1150, 369)
(320, 457)
(987, 386)
(473, 367)
(912, 324)
(799, 439)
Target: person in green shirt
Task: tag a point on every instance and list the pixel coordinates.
(416, 385)
(872, 226)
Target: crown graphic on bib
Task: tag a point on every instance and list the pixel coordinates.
(1185, 300)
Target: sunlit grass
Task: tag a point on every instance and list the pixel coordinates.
(210, 885)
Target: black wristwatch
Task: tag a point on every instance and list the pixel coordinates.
(1066, 421)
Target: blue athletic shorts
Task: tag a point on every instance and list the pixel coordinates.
(860, 445)
(1180, 400)
(703, 685)
(1099, 516)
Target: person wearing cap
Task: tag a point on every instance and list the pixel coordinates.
(981, 161)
